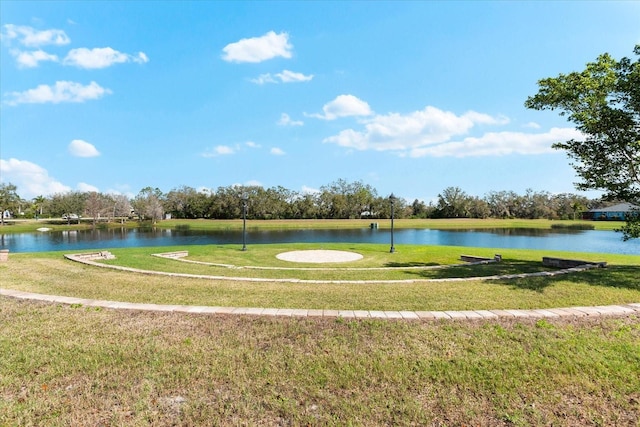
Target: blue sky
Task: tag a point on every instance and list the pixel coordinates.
(409, 97)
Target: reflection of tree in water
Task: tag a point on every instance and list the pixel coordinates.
(546, 239)
(523, 232)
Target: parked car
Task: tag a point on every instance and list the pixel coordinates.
(70, 216)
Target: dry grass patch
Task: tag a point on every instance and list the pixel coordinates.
(66, 365)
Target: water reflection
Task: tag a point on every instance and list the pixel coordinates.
(517, 238)
(528, 232)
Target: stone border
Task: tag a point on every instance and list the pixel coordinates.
(604, 310)
(88, 260)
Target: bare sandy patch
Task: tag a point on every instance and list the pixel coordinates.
(319, 256)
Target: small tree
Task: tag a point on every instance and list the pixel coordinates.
(603, 101)
(148, 204)
(66, 204)
(121, 206)
(9, 199)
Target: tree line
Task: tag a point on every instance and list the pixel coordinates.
(337, 200)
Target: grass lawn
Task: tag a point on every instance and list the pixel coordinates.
(73, 365)
(50, 273)
(68, 365)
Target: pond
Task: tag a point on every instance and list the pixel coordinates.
(513, 238)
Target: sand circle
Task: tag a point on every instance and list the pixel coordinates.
(319, 256)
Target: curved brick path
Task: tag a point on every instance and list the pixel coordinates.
(607, 310)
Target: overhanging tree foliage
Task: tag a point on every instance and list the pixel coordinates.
(603, 101)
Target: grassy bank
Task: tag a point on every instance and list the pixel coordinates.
(462, 223)
(74, 365)
(66, 365)
(50, 273)
(25, 226)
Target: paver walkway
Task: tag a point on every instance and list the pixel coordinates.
(605, 310)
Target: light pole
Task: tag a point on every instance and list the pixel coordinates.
(392, 200)
(244, 222)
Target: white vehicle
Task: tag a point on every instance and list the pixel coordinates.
(70, 216)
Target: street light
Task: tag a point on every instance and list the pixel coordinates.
(392, 200)
(244, 222)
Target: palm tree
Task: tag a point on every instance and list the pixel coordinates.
(39, 202)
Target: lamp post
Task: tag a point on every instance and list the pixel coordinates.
(244, 222)
(392, 200)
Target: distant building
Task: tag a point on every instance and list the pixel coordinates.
(612, 213)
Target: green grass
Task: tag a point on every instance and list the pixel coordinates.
(50, 273)
(71, 365)
(74, 365)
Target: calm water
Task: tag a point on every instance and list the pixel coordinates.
(582, 241)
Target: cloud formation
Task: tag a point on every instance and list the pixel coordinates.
(31, 59)
(258, 49)
(80, 148)
(62, 91)
(343, 106)
(285, 76)
(285, 120)
(28, 36)
(499, 144)
(433, 132)
(277, 151)
(86, 188)
(101, 58)
(31, 179)
(220, 150)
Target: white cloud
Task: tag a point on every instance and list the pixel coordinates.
(309, 190)
(343, 106)
(277, 151)
(500, 144)
(220, 150)
(84, 187)
(31, 37)
(252, 144)
(80, 148)
(263, 78)
(285, 76)
(532, 125)
(258, 49)
(140, 58)
(285, 120)
(31, 179)
(31, 59)
(101, 58)
(397, 132)
(62, 91)
(205, 190)
(249, 183)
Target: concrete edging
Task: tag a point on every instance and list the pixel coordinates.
(606, 310)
